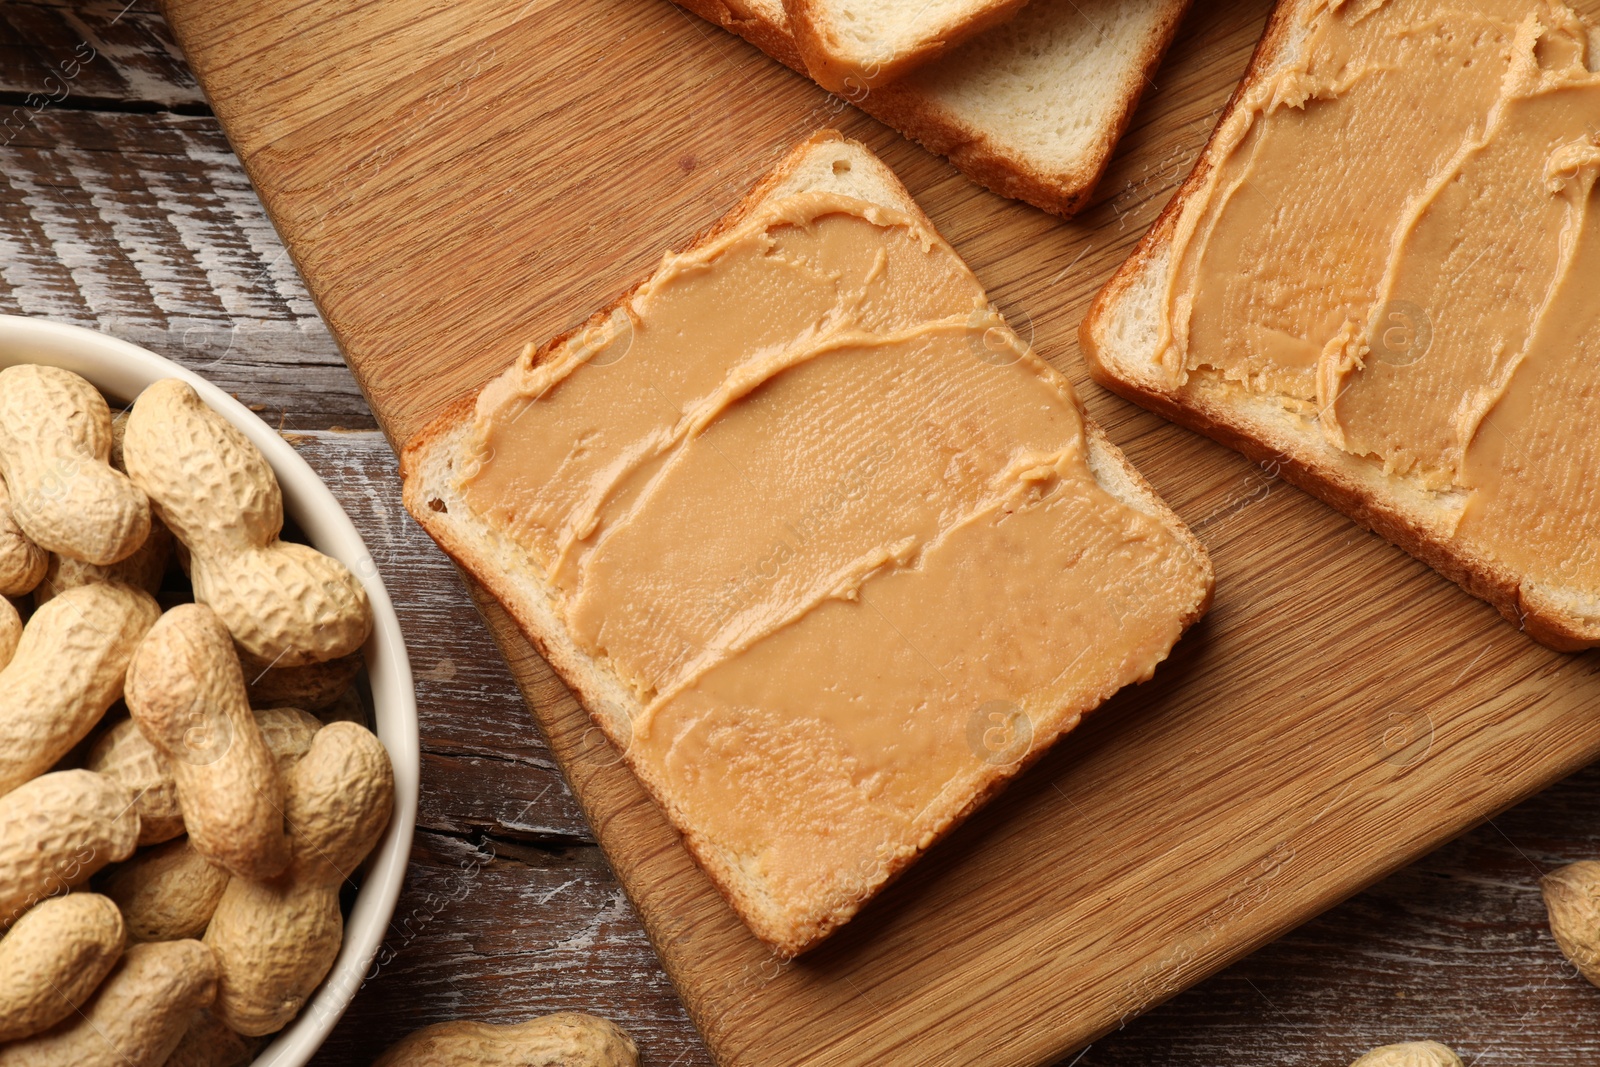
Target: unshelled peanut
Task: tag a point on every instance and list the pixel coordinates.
(565, 1039)
(145, 569)
(1410, 1054)
(136, 1019)
(58, 830)
(53, 959)
(55, 439)
(286, 604)
(311, 688)
(22, 563)
(166, 893)
(123, 754)
(339, 797)
(67, 670)
(10, 631)
(1572, 900)
(288, 733)
(119, 431)
(186, 692)
(209, 1043)
(275, 940)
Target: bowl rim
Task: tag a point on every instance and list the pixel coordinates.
(123, 369)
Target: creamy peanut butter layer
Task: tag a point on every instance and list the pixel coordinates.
(1316, 166)
(1396, 240)
(835, 524)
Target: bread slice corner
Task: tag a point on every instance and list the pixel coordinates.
(824, 162)
(1034, 108)
(853, 46)
(1119, 339)
(1031, 109)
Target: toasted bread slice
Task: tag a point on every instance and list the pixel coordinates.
(1031, 109)
(851, 46)
(791, 922)
(1126, 327)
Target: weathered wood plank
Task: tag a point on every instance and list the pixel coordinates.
(103, 53)
(493, 932)
(145, 227)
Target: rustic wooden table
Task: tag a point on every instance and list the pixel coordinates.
(123, 209)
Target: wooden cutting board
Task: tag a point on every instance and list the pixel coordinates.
(456, 179)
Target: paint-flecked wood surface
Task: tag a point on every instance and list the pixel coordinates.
(122, 208)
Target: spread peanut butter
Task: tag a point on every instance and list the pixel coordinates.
(835, 525)
(1398, 240)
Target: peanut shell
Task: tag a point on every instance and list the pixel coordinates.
(10, 631)
(58, 830)
(312, 687)
(1410, 1054)
(1572, 899)
(22, 563)
(339, 798)
(145, 569)
(565, 1039)
(123, 754)
(67, 670)
(276, 940)
(55, 438)
(288, 733)
(186, 692)
(136, 1019)
(166, 893)
(208, 1042)
(53, 959)
(287, 605)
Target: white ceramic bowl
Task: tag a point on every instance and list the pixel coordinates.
(122, 370)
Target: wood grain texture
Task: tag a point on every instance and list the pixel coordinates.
(1452, 947)
(463, 165)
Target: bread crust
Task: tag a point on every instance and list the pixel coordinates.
(748, 23)
(788, 932)
(1350, 484)
(972, 151)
